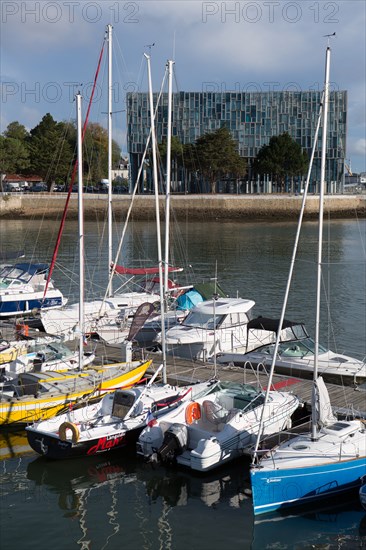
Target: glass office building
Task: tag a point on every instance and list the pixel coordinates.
(252, 118)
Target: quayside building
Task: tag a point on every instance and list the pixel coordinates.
(252, 118)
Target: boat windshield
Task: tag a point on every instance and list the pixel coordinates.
(203, 320)
(293, 348)
(299, 348)
(8, 273)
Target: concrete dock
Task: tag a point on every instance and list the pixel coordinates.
(256, 207)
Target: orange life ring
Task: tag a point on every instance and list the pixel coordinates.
(69, 426)
(193, 412)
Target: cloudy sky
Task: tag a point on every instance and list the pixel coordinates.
(49, 50)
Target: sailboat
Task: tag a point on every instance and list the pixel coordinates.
(118, 419)
(31, 397)
(331, 458)
(104, 316)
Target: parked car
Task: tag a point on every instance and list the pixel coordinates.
(15, 186)
(59, 188)
(39, 188)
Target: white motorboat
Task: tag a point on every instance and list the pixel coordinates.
(295, 356)
(216, 326)
(22, 290)
(216, 427)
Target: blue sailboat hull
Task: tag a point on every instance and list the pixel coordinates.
(25, 306)
(278, 489)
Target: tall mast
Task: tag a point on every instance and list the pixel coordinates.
(110, 91)
(168, 174)
(81, 230)
(289, 278)
(320, 232)
(156, 188)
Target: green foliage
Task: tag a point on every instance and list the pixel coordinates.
(14, 155)
(96, 153)
(176, 150)
(14, 149)
(15, 130)
(49, 150)
(282, 157)
(217, 156)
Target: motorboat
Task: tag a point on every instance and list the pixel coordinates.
(114, 422)
(295, 356)
(34, 396)
(215, 326)
(22, 290)
(217, 427)
(184, 301)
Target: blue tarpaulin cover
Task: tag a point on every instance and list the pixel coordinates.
(189, 299)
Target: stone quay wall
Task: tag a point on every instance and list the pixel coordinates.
(185, 207)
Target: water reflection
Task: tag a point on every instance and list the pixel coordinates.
(71, 478)
(99, 502)
(13, 444)
(339, 526)
(94, 492)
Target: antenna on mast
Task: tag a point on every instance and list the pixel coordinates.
(149, 46)
(329, 36)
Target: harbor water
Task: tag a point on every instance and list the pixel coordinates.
(116, 500)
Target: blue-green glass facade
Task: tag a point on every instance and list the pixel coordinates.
(253, 118)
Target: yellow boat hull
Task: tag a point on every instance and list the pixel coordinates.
(10, 354)
(28, 409)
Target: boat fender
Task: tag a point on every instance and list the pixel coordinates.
(69, 426)
(193, 412)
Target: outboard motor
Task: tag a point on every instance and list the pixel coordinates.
(174, 443)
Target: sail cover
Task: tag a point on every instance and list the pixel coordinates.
(143, 270)
(142, 313)
(322, 404)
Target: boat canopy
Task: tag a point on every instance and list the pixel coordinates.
(32, 269)
(265, 323)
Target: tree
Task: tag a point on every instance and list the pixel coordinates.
(96, 153)
(217, 156)
(14, 155)
(282, 157)
(14, 152)
(51, 152)
(15, 130)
